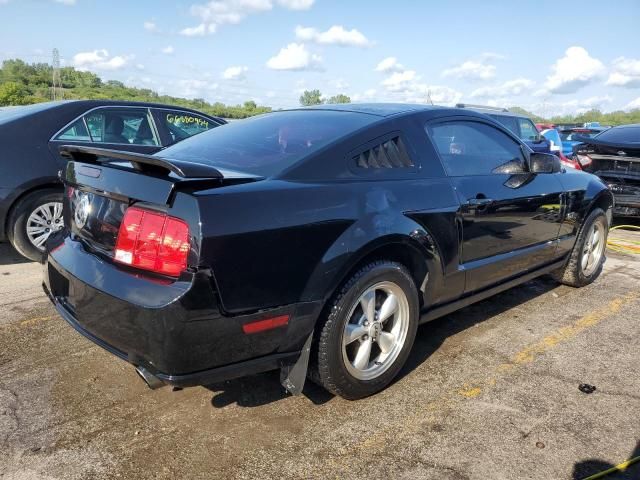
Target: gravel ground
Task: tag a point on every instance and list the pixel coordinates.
(490, 392)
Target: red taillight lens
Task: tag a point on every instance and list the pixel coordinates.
(153, 241)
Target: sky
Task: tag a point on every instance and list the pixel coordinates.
(549, 57)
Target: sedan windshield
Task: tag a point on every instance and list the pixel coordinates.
(268, 144)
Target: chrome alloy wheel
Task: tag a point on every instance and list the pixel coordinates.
(593, 249)
(42, 222)
(376, 331)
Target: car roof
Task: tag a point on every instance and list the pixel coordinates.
(378, 109)
(494, 111)
(114, 103)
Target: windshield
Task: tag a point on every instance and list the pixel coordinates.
(267, 144)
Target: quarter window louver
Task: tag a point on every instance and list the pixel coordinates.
(389, 154)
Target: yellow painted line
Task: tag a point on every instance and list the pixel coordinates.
(618, 468)
(28, 322)
(31, 321)
(527, 355)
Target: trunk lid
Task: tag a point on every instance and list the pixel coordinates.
(102, 184)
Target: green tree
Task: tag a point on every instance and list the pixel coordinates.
(250, 105)
(311, 97)
(13, 93)
(339, 98)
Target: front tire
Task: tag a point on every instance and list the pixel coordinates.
(34, 218)
(588, 254)
(368, 332)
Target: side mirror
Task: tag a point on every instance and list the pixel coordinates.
(540, 139)
(544, 163)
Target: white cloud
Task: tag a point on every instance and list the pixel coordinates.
(367, 95)
(235, 73)
(632, 105)
(406, 86)
(296, 4)
(336, 35)
(575, 106)
(168, 50)
(66, 2)
(193, 88)
(198, 30)
(517, 86)
(389, 64)
(229, 12)
(294, 56)
(626, 73)
(399, 81)
(471, 69)
(339, 83)
(150, 26)
(573, 71)
(477, 68)
(100, 60)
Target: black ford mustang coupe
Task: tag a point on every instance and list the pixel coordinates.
(30, 190)
(313, 241)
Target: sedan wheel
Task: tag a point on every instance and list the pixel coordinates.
(376, 331)
(42, 222)
(366, 337)
(593, 249)
(32, 221)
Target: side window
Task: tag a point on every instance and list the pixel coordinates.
(123, 126)
(510, 122)
(76, 132)
(183, 125)
(528, 130)
(474, 148)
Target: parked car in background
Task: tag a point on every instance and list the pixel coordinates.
(570, 137)
(30, 190)
(614, 155)
(520, 125)
(319, 236)
(554, 138)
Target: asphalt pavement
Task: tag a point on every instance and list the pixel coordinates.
(489, 392)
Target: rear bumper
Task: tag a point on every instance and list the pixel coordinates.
(176, 331)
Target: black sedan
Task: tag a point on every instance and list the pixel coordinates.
(313, 241)
(614, 155)
(30, 190)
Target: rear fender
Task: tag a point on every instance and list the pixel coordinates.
(369, 239)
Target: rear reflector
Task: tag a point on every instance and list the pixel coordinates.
(267, 324)
(153, 241)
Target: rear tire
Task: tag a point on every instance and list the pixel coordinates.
(588, 254)
(31, 212)
(368, 332)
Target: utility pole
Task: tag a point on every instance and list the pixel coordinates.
(56, 91)
(429, 97)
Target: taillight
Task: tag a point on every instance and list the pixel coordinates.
(153, 241)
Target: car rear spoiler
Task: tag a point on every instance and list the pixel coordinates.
(141, 162)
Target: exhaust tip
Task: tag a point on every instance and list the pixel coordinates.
(150, 379)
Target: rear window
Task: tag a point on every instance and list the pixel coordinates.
(626, 134)
(267, 144)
